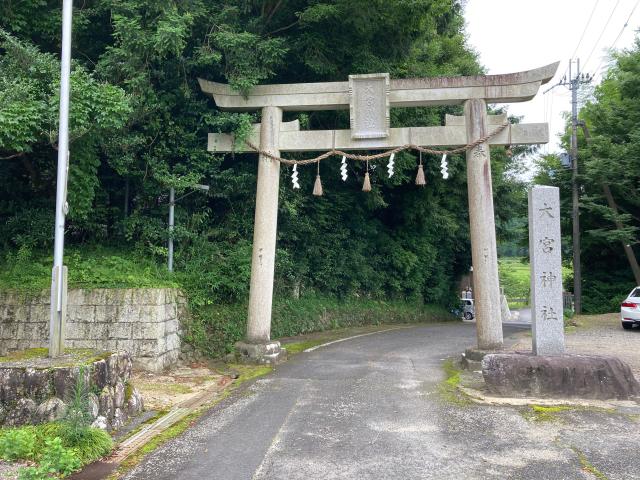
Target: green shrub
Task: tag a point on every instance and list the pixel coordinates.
(16, 444)
(88, 443)
(57, 450)
(55, 460)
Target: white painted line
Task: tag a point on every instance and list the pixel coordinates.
(311, 349)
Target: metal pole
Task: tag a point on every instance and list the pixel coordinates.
(172, 203)
(575, 209)
(56, 330)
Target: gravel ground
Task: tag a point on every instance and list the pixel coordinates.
(600, 335)
(168, 389)
(9, 471)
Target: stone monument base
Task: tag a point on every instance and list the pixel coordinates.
(269, 353)
(559, 376)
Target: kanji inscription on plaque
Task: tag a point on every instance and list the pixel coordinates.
(369, 105)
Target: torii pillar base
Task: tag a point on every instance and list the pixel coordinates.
(269, 353)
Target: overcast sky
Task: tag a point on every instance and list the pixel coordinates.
(515, 35)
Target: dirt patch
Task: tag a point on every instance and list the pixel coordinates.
(9, 471)
(162, 391)
(598, 335)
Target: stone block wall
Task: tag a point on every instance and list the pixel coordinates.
(144, 322)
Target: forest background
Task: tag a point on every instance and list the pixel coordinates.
(139, 126)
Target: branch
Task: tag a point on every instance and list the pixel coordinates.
(275, 8)
(15, 155)
(283, 28)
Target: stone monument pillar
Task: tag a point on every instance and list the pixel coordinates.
(259, 348)
(483, 231)
(546, 271)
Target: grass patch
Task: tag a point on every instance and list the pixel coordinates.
(515, 274)
(28, 354)
(89, 267)
(248, 372)
(539, 413)
(514, 277)
(297, 347)
(171, 388)
(448, 388)
(587, 466)
(73, 356)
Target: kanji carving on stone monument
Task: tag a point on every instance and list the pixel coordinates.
(548, 313)
(547, 244)
(546, 271)
(547, 279)
(546, 210)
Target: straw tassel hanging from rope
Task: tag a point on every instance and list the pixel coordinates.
(317, 187)
(366, 186)
(420, 180)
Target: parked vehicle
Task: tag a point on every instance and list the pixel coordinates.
(630, 310)
(468, 310)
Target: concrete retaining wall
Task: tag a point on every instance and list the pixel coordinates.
(144, 322)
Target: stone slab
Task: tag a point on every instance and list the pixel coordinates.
(547, 316)
(559, 376)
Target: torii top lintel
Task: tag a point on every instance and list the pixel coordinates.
(406, 92)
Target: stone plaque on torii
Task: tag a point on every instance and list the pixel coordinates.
(369, 99)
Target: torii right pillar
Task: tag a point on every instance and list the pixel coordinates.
(483, 230)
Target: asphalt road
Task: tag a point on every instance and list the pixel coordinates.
(369, 408)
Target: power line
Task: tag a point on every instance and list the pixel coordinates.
(593, 10)
(602, 32)
(626, 24)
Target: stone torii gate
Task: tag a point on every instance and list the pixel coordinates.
(369, 99)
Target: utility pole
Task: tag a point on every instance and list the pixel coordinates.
(59, 273)
(172, 205)
(573, 84)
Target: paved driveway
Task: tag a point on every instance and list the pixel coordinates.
(369, 408)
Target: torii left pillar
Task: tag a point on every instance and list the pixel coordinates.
(483, 234)
(258, 347)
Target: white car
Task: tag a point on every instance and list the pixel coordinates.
(468, 310)
(630, 310)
